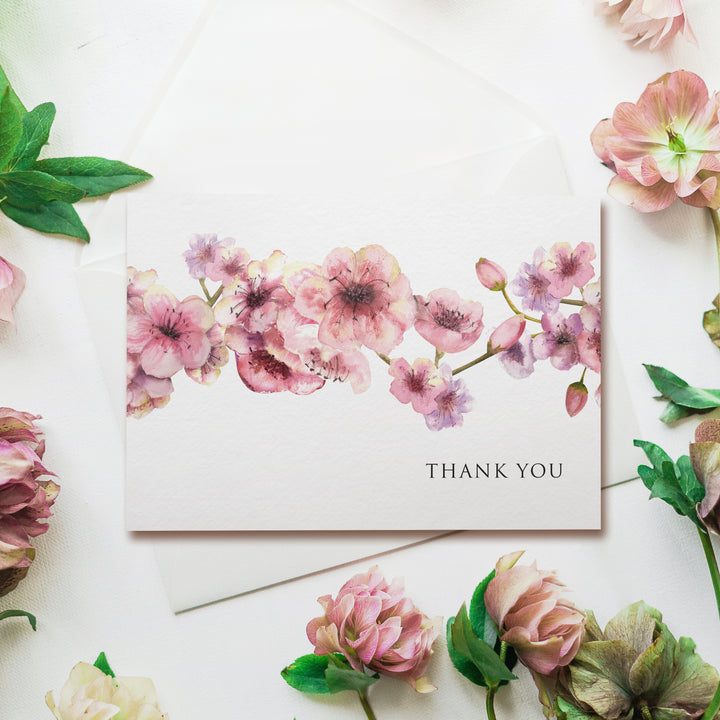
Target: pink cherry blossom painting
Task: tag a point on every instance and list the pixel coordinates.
(363, 363)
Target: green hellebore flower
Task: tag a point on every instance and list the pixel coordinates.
(635, 670)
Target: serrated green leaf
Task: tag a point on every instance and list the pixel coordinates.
(464, 666)
(36, 126)
(680, 392)
(94, 175)
(477, 651)
(482, 624)
(30, 189)
(340, 676)
(20, 613)
(10, 127)
(54, 217)
(102, 664)
(307, 674)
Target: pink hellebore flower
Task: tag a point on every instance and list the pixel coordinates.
(566, 268)
(532, 615)
(655, 20)
(490, 274)
(12, 283)
(448, 322)
(255, 298)
(705, 459)
(666, 146)
(419, 384)
(506, 334)
(359, 298)
(170, 335)
(375, 626)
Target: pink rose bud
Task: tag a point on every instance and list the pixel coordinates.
(376, 627)
(532, 616)
(490, 274)
(506, 334)
(575, 398)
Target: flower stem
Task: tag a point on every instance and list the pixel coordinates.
(716, 227)
(366, 706)
(383, 357)
(438, 357)
(567, 301)
(514, 308)
(647, 715)
(488, 354)
(216, 296)
(490, 702)
(205, 290)
(714, 706)
(712, 563)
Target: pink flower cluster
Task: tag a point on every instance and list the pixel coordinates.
(25, 498)
(664, 147)
(655, 20)
(295, 326)
(377, 628)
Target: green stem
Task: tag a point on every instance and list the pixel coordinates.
(716, 227)
(216, 296)
(582, 377)
(490, 702)
(647, 715)
(714, 706)
(384, 358)
(366, 706)
(514, 308)
(712, 563)
(205, 290)
(488, 354)
(567, 301)
(438, 357)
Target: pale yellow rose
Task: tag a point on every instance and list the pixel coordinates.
(90, 694)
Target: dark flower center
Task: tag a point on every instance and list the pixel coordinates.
(564, 338)
(568, 266)
(446, 402)
(169, 326)
(449, 318)
(358, 294)
(257, 297)
(416, 381)
(262, 360)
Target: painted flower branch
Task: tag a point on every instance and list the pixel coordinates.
(297, 326)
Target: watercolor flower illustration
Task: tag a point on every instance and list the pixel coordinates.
(12, 284)
(296, 326)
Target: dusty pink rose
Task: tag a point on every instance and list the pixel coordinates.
(705, 459)
(420, 383)
(667, 146)
(490, 274)
(506, 334)
(254, 299)
(12, 283)
(448, 322)
(377, 628)
(169, 335)
(655, 20)
(25, 497)
(359, 298)
(532, 615)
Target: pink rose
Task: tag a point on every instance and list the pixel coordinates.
(532, 615)
(376, 627)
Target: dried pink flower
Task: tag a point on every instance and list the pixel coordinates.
(664, 147)
(12, 284)
(376, 627)
(532, 616)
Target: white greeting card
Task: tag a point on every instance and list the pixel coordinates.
(372, 382)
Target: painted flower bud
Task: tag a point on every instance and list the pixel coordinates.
(575, 398)
(490, 274)
(705, 459)
(506, 334)
(375, 626)
(532, 616)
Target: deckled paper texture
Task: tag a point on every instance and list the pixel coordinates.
(225, 458)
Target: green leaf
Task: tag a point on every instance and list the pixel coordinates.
(482, 624)
(35, 133)
(464, 666)
(566, 711)
(680, 392)
(689, 484)
(102, 664)
(477, 651)
(674, 412)
(307, 674)
(340, 676)
(31, 189)
(711, 322)
(54, 217)
(94, 175)
(20, 613)
(10, 127)
(5, 86)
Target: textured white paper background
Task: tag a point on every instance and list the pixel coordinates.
(338, 461)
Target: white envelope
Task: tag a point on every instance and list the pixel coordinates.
(294, 95)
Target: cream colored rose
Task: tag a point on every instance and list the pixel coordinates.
(90, 694)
